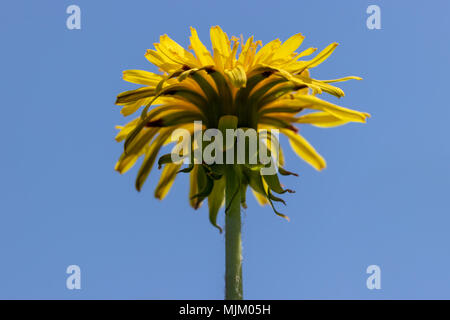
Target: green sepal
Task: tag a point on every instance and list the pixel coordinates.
(276, 93)
(164, 159)
(205, 184)
(255, 181)
(134, 95)
(215, 201)
(141, 142)
(187, 169)
(275, 198)
(215, 171)
(274, 184)
(269, 197)
(244, 195)
(284, 172)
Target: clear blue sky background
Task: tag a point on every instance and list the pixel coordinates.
(383, 198)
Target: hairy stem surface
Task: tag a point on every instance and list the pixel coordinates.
(233, 243)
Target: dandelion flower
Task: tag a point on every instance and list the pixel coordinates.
(239, 84)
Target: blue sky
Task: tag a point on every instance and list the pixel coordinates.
(382, 200)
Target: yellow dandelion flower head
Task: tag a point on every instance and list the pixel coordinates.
(258, 87)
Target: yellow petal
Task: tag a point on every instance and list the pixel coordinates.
(322, 56)
(341, 79)
(304, 150)
(318, 86)
(251, 53)
(166, 180)
(306, 52)
(125, 130)
(309, 101)
(150, 156)
(221, 44)
(161, 61)
(265, 53)
(131, 108)
(262, 200)
(125, 163)
(175, 52)
(294, 65)
(142, 77)
(218, 60)
(321, 119)
(288, 47)
(203, 54)
(245, 51)
(193, 187)
(231, 60)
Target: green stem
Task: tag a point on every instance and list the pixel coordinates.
(233, 243)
